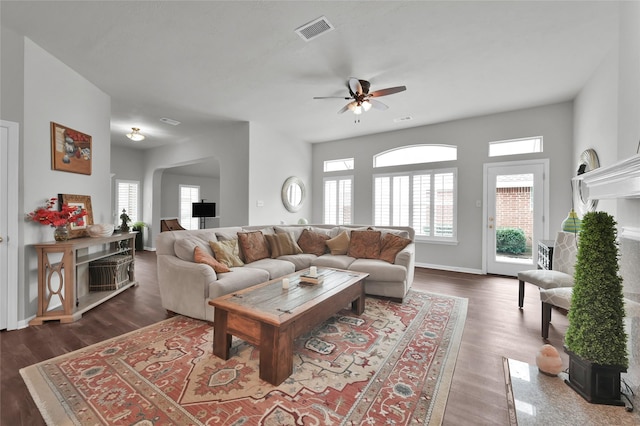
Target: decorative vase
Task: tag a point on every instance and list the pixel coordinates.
(572, 223)
(61, 233)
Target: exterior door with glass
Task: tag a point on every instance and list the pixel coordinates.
(515, 209)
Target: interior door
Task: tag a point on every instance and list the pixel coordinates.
(514, 215)
(8, 225)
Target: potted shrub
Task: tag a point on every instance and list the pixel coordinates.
(596, 340)
(139, 227)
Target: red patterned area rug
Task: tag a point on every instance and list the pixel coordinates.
(391, 365)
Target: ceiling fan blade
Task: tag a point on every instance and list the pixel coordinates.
(332, 97)
(377, 104)
(387, 91)
(355, 87)
(345, 108)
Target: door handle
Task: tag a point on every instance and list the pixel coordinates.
(1, 240)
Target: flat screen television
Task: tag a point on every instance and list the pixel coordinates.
(203, 209)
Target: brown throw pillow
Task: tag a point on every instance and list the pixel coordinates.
(201, 256)
(391, 246)
(282, 244)
(313, 242)
(253, 245)
(339, 244)
(365, 244)
(227, 252)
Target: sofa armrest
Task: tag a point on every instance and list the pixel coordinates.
(184, 286)
(407, 258)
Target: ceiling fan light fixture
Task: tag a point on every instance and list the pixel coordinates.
(135, 135)
(366, 105)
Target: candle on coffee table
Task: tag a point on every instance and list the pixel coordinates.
(313, 271)
(285, 283)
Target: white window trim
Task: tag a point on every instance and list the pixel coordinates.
(180, 186)
(338, 178)
(138, 201)
(453, 240)
(423, 145)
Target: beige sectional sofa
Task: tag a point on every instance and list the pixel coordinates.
(186, 286)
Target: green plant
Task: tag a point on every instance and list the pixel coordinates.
(139, 225)
(596, 318)
(510, 240)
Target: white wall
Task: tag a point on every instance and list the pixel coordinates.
(126, 165)
(274, 158)
(227, 143)
(55, 92)
(596, 119)
(554, 122)
(615, 87)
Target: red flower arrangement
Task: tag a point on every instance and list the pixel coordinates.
(44, 215)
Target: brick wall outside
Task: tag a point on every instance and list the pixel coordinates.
(514, 210)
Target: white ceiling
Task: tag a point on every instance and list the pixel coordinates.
(200, 62)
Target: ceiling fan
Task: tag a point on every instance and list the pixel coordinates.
(361, 98)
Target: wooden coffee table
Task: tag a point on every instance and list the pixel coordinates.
(270, 317)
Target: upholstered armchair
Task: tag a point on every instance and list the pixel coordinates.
(564, 258)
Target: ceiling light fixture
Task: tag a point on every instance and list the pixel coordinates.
(135, 134)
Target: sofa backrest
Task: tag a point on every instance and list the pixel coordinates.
(165, 241)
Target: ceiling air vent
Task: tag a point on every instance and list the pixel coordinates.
(401, 119)
(315, 28)
(169, 121)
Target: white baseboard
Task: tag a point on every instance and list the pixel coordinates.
(450, 268)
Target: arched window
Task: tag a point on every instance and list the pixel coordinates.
(415, 154)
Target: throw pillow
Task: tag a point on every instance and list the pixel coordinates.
(313, 242)
(253, 245)
(364, 244)
(227, 252)
(202, 256)
(339, 244)
(296, 230)
(392, 245)
(282, 244)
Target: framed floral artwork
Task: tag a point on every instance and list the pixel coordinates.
(82, 201)
(70, 150)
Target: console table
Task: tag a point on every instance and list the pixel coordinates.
(59, 278)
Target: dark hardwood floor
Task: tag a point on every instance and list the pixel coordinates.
(495, 328)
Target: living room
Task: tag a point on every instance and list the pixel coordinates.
(39, 87)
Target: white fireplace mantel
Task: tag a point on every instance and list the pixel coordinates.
(619, 180)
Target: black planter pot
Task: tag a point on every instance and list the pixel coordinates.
(139, 238)
(598, 384)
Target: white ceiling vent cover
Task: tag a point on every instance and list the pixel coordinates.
(314, 29)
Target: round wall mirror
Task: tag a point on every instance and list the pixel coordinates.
(588, 161)
(293, 194)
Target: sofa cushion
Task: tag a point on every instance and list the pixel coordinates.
(282, 244)
(201, 256)
(379, 270)
(275, 267)
(237, 279)
(184, 247)
(391, 245)
(296, 230)
(253, 246)
(398, 232)
(229, 233)
(227, 252)
(313, 242)
(364, 244)
(339, 261)
(339, 244)
(301, 261)
(331, 232)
